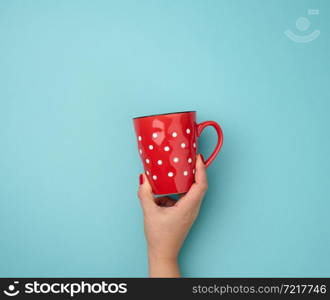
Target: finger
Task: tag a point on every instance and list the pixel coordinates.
(145, 194)
(197, 191)
(201, 176)
(165, 201)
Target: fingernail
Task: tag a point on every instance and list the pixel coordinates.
(202, 157)
(141, 179)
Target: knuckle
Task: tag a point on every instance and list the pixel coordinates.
(204, 186)
(139, 193)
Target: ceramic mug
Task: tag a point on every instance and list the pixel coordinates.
(167, 144)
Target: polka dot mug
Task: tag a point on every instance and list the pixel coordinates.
(167, 144)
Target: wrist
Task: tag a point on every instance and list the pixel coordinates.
(163, 265)
(164, 257)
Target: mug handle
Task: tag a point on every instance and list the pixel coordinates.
(216, 126)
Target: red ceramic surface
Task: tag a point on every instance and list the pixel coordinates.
(167, 144)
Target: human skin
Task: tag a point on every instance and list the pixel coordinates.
(167, 222)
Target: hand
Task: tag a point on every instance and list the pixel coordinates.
(167, 222)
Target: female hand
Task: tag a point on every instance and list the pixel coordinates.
(167, 222)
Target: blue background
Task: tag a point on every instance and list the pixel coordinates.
(74, 73)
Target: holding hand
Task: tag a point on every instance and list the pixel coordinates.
(167, 222)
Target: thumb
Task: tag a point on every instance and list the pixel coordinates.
(145, 194)
(194, 196)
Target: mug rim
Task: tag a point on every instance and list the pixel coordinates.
(171, 113)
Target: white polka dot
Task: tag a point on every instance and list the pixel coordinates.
(154, 135)
(166, 148)
(194, 145)
(189, 160)
(154, 177)
(188, 130)
(185, 173)
(170, 174)
(147, 160)
(174, 134)
(139, 138)
(193, 171)
(183, 145)
(151, 147)
(159, 161)
(140, 151)
(147, 172)
(175, 159)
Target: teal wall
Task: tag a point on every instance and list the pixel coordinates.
(74, 73)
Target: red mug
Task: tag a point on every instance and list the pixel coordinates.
(167, 144)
